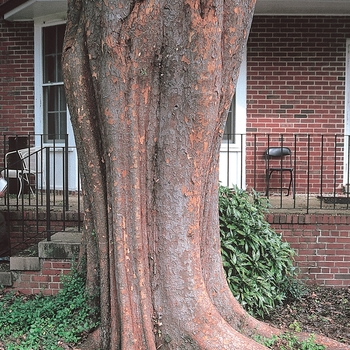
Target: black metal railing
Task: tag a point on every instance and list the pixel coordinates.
(318, 168)
(43, 187)
(320, 176)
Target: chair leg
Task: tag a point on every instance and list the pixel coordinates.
(26, 179)
(20, 185)
(290, 182)
(288, 188)
(267, 179)
(290, 185)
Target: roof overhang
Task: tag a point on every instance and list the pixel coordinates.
(303, 7)
(28, 10)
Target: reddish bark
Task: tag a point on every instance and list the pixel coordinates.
(148, 86)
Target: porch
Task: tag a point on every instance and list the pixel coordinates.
(52, 201)
(319, 173)
(314, 218)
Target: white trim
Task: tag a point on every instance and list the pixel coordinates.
(34, 9)
(18, 9)
(241, 97)
(347, 89)
(346, 175)
(233, 155)
(299, 14)
(240, 108)
(38, 78)
(302, 8)
(39, 24)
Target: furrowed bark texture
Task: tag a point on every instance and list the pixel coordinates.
(148, 85)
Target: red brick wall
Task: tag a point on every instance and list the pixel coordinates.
(46, 281)
(322, 243)
(296, 85)
(16, 78)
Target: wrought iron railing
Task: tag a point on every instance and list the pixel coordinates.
(43, 188)
(320, 169)
(320, 177)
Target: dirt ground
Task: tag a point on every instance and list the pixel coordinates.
(322, 310)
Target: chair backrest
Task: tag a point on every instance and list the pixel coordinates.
(31, 159)
(277, 152)
(274, 156)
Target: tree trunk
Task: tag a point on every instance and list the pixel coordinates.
(148, 85)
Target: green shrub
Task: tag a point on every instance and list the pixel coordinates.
(46, 322)
(258, 264)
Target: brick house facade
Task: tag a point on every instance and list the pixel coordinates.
(295, 84)
(296, 71)
(296, 79)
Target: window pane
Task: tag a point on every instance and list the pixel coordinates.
(60, 36)
(51, 98)
(55, 111)
(49, 40)
(230, 128)
(62, 98)
(62, 127)
(53, 42)
(59, 76)
(49, 74)
(51, 126)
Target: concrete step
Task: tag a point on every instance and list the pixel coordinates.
(63, 245)
(24, 263)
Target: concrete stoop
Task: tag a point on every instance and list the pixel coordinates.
(63, 245)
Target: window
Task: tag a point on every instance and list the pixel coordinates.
(230, 128)
(54, 101)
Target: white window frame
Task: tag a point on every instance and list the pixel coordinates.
(346, 175)
(240, 110)
(39, 24)
(233, 154)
